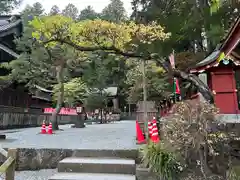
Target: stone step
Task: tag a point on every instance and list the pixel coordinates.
(131, 154)
(97, 165)
(95, 176)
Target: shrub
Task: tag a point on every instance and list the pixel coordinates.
(194, 145)
(161, 162)
(234, 173)
(192, 130)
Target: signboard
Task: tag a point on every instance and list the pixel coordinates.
(63, 111)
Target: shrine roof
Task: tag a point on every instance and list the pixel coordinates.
(10, 25)
(9, 22)
(111, 91)
(9, 51)
(212, 57)
(209, 59)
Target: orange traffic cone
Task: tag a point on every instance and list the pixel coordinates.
(50, 129)
(140, 137)
(155, 137)
(150, 129)
(43, 129)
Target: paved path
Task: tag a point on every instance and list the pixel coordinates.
(118, 135)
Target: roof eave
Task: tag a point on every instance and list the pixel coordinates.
(232, 30)
(43, 89)
(203, 66)
(10, 26)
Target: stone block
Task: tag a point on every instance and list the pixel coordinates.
(87, 176)
(98, 165)
(35, 159)
(131, 154)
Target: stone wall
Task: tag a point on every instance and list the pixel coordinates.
(10, 120)
(35, 159)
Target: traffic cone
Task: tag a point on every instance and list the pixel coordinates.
(140, 136)
(43, 129)
(155, 136)
(150, 129)
(50, 129)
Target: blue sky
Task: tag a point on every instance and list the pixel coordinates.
(98, 5)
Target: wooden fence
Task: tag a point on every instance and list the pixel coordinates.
(8, 167)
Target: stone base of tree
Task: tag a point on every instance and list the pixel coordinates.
(78, 126)
(2, 136)
(78, 122)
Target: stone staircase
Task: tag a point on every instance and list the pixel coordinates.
(96, 165)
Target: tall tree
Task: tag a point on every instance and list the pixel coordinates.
(29, 12)
(71, 11)
(54, 10)
(190, 23)
(217, 4)
(8, 5)
(88, 13)
(157, 87)
(45, 67)
(97, 35)
(115, 11)
(24, 44)
(37, 8)
(96, 76)
(75, 91)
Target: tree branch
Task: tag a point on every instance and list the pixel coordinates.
(97, 48)
(202, 88)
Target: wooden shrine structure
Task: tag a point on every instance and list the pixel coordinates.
(19, 106)
(14, 94)
(221, 72)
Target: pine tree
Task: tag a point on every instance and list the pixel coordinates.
(7, 6)
(115, 11)
(71, 11)
(54, 10)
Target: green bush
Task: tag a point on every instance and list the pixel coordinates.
(234, 173)
(161, 162)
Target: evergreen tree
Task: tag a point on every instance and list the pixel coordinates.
(115, 11)
(71, 11)
(7, 6)
(88, 13)
(54, 10)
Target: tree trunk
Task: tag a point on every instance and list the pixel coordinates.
(59, 70)
(202, 88)
(144, 85)
(101, 116)
(193, 79)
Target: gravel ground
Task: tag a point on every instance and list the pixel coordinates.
(33, 175)
(118, 135)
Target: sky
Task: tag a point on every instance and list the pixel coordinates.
(98, 5)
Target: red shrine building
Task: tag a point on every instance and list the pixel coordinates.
(221, 72)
